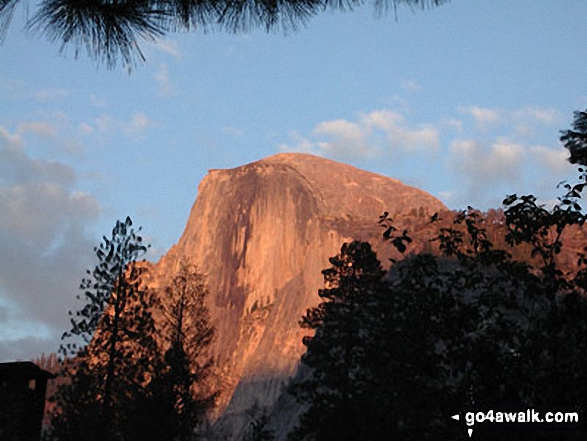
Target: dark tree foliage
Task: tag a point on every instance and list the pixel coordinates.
(7, 8)
(110, 30)
(109, 372)
(440, 335)
(339, 351)
(179, 399)
(467, 329)
(576, 140)
(186, 314)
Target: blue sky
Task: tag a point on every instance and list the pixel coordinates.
(464, 101)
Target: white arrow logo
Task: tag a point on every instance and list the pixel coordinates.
(456, 418)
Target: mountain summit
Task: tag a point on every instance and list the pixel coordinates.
(262, 233)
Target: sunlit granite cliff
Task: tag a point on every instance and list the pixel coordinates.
(262, 233)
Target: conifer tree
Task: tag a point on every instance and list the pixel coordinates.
(468, 329)
(113, 30)
(113, 354)
(181, 385)
(337, 354)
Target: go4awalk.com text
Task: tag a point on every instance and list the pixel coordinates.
(522, 421)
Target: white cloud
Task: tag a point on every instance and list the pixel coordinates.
(527, 121)
(552, 160)
(524, 130)
(386, 120)
(137, 125)
(37, 194)
(347, 140)
(446, 196)
(34, 211)
(168, 47)
(371, 135)
(134, 129)
(97, 101)
(484, 165)
(523, 121)
(17, 167)
(20, 89)
(399, 134)
(453, 123)
(43, 129)
(483, 116)
(105, 123)
(57, 131)
(166, 88)
(536, 114)
(85, 128)
(299, 144)
(8, 140)
(341, 128)
(44, 246)
(500, 152)
(485, 154)
(411, 86)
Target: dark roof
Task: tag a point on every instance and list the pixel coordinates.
(23, 369)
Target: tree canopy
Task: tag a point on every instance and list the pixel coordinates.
(469, 328)
(576, 140)
(111, 30)
(119, 355)
(188, 334)
(127, 380)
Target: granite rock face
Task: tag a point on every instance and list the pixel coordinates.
(262, 233)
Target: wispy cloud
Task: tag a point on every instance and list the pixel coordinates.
(43, 129)
(298, 143)
(56, 130)
(484, 165)
(528, 120)
(543, 116)
(553, 161)
(168, 47)
(483, 116)
(20, 89)
(371, 135)
(10, 140)
(137, 125)
(475, 153)
(345, 139)
(401, 135)
(18, 167)
(97, 101)
(523, 120)
(166, 88)
(453, 123)
(232, 131)
(133, 129)
(85, 128)
(411, 86)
